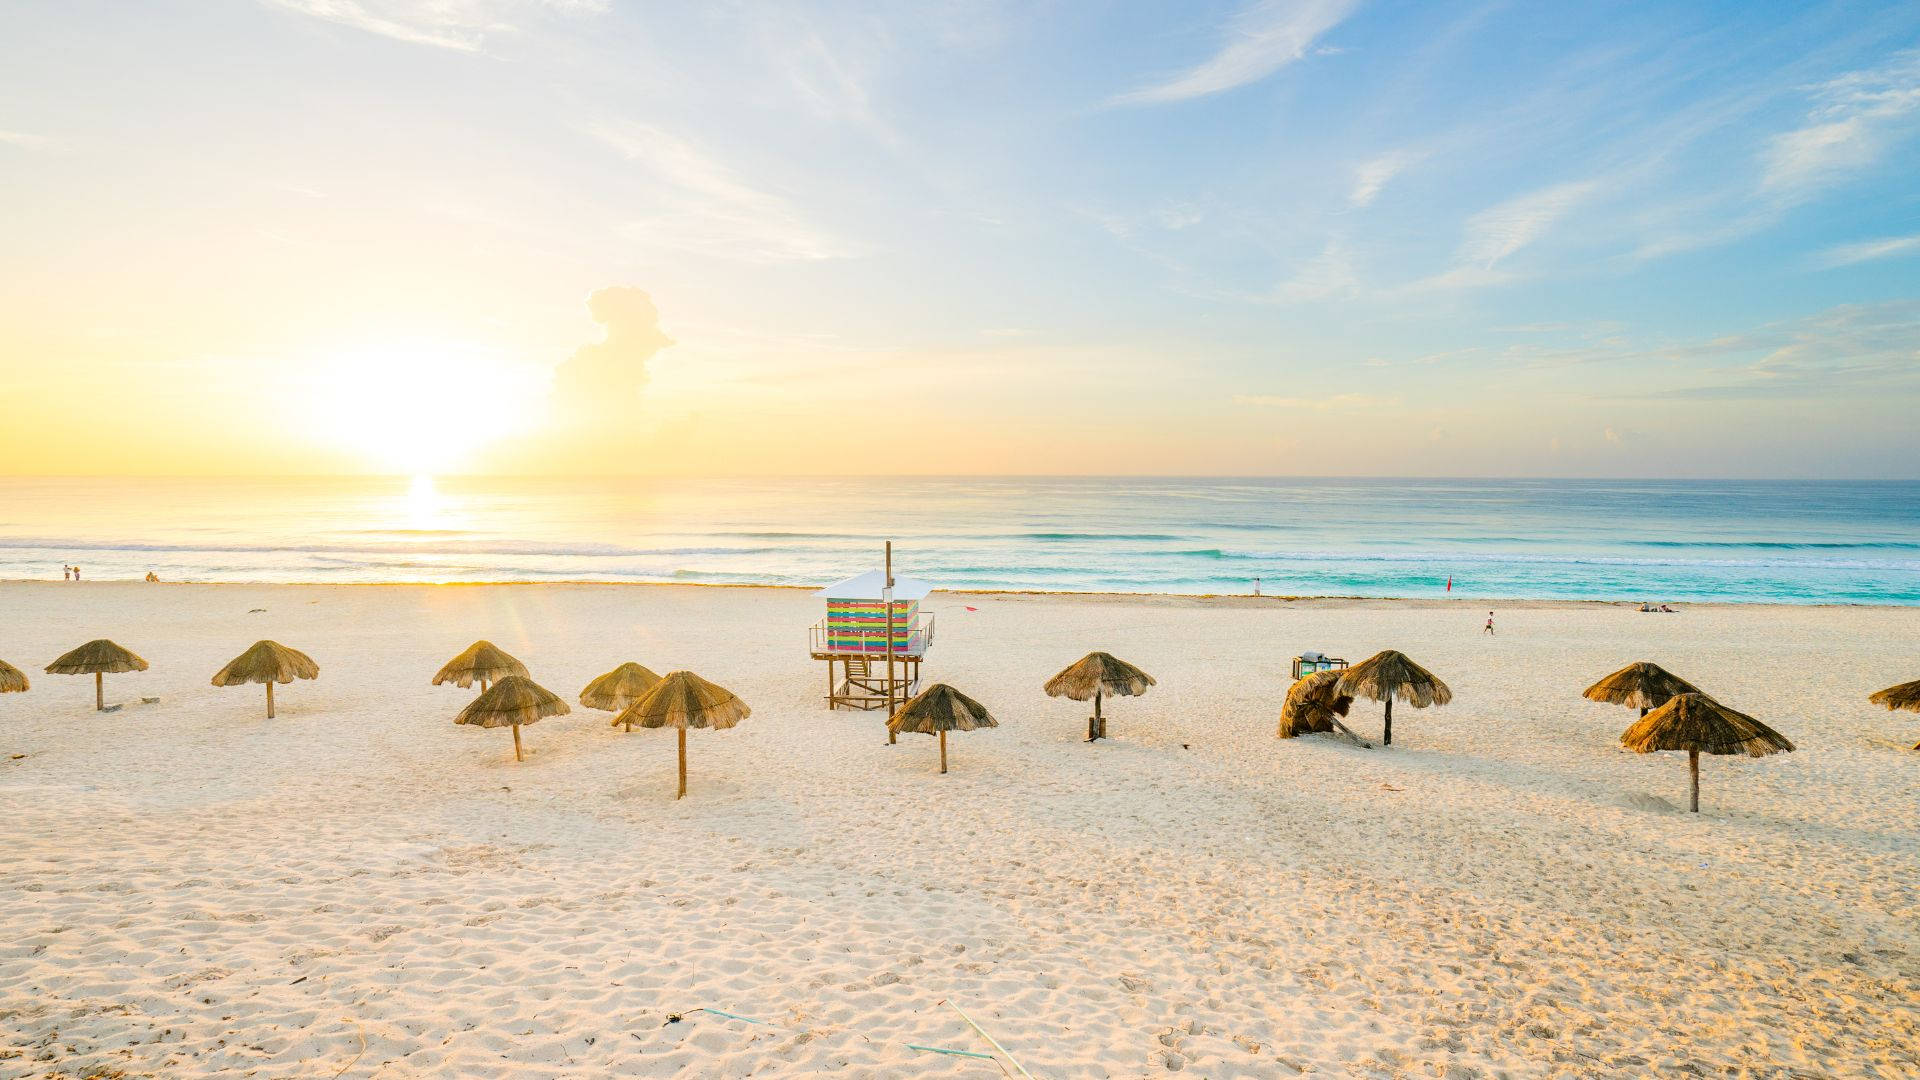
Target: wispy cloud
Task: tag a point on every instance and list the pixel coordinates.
(1263, 38)
(1330, 403)
(1868, 250)
(702, 206)
(24, 140)
(1854, 119)
(1498, 232)
(462, 25)
(1373, 175)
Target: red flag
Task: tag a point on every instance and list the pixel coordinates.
(1449, 582)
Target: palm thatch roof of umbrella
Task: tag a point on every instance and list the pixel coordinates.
(267, 662)
(937, 710)
(1905, 696)
(684, 700)
(1641, 685)
(483, 661)
(1098, 673)
(12, 679)
(1391, 674)
(619, 688)
(1312, 703)
(1093, 675)
(97, 657)
(513, 701)
(1700, 725)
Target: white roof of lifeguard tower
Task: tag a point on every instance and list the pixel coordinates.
(868, 586)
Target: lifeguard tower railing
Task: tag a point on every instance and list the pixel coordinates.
(862, 656)
(911, 640)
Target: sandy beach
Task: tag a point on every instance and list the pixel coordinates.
(359, 888)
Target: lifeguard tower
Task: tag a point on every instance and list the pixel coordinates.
(875, 631)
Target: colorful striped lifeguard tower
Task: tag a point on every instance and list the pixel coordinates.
(875, 631)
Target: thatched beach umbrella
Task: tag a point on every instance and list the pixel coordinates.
(1093, 675)
(937, 710)
(1905, 696)
(511, 702)
(1644, 686)
(1388, 675)
(483, 662)
(97, 658)
(1700, 725)
(684, 700)
(268, 662)
(619, 688)
(12, 679)
(1312, 704)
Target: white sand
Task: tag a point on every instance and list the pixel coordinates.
(193, 890)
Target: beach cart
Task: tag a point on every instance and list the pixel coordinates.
(1309, 662)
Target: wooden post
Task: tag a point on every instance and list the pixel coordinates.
(1096, 712)
(829, 682)
(99, 692)
(1386, 736)
(269, 699)
(1693, 766)
(483, 684)
(891, 737)
(516, 744)
(683, 764)
(943, 751)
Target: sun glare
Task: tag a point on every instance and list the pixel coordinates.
(417, 409)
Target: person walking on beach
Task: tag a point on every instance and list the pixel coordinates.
(1489, 624)
(76, 573)
(66, 572)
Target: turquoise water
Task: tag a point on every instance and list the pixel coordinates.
(1797, 542)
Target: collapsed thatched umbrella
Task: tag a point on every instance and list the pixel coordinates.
(268, 662)
(12, 679)
(1700, 725)
(937, 710)
(483, 662)
(1390, 674)
(1312, 704)
(619, 688)
(97, 658)
(1905, 696)
(1095, 674)
(684, 700)
(1643, 685)
(512, 701)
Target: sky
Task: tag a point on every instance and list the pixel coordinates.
(1277, 237)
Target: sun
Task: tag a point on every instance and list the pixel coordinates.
(417, 409)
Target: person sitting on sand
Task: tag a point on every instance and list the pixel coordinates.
(151, 576)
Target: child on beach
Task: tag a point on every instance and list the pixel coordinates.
(1489, 623)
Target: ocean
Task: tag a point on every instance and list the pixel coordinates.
(1738, 541)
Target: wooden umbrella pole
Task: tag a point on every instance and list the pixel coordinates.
(1386, 734)
(99, 692)
(1693, 766)
(943, 751)
(483, 684)
(269, 699)
(516, 743)
(1098, 718)
(683, 764)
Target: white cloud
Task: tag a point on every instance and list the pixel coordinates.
(701, 206)
(462, 25)
(1868, 250)
(1854, 119)
(23, 140)
(1329, 274)
(1263, 38)
(1374, 175)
